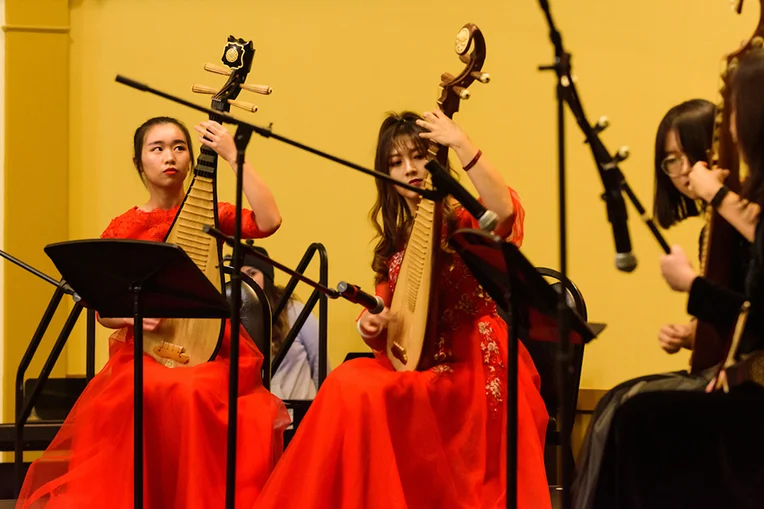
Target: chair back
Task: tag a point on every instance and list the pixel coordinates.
(544, 356)
(255, 318)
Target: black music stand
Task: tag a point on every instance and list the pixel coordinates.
(532, 307)
(121, 278)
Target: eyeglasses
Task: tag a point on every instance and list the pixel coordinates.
(673, 165)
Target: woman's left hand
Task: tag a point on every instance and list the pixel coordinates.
(217, 137)
(677, 270)
(442, 129)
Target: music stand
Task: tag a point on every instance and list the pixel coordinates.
(121, 278)
(531, 305)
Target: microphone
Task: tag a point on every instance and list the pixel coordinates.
(625, 260)
(487, 220)
(354, 294)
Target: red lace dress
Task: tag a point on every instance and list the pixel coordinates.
(435, 439)
(90, 462)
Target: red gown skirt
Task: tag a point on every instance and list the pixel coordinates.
(375, 438)
(89, 464)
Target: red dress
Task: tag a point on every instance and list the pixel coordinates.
(435, 439)
(90, 462)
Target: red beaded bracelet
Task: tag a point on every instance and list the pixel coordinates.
(474, 161)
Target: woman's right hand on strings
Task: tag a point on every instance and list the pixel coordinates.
(371, 327)
(673, 338)
(149, 324)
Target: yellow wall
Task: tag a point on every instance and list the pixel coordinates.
(337, 66)
(36, 197)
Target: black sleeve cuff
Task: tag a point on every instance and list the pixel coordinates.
(714, 304)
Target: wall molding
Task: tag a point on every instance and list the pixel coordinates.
(36, 28)
(588, 399)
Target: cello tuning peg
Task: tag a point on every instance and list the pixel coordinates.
(243, 105)
(462, 92)
(217, 69)
(258, 89)
(622, 154)
(602, 124)
(482, 77)
(204, 89)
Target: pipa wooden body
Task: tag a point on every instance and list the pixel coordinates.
(188, 342)
(413, 309)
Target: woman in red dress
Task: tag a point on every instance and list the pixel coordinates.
(435, 438)
(90, 462)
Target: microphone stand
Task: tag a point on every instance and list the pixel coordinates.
(24, 405)
(65, 287)
(562, 67)
(241, 139)
(612, 177)
(614, 182)
(232, 242)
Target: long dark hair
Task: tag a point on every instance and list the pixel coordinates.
(139, 138)
(280, 327)
(693, 122)
(390, 214)
(748, 102)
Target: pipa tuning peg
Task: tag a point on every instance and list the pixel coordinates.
(462, 92)
(217, 69)
(258, 89)
(482, 77)
(602, 124)
(243, 105)
(622, 154)
(204, 89)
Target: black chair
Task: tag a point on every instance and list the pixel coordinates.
(255, 317)
(257, 321)
(544, 356)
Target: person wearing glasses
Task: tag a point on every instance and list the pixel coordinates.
(682, 143)
(683, 138)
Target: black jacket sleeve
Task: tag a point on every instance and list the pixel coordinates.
(720, 306)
